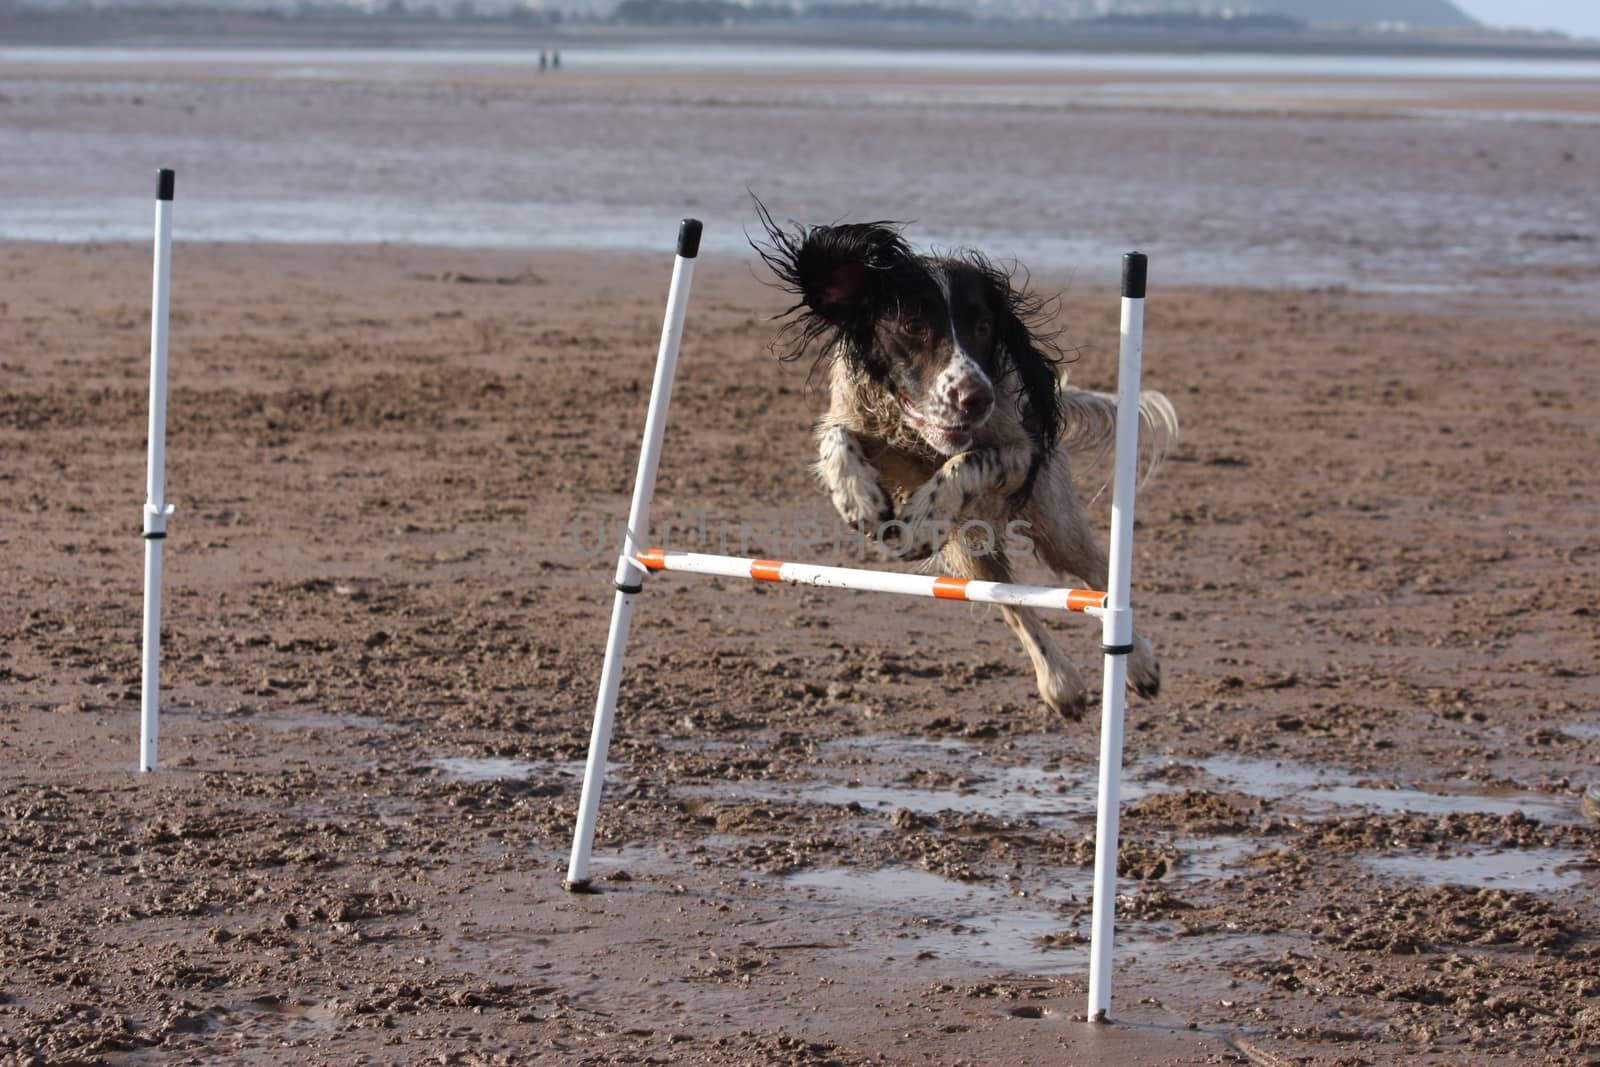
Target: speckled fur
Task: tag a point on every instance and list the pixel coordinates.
(1013, 464)
(926, 488)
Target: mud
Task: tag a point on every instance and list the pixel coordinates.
(838, 830)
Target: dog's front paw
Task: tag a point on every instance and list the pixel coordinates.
(862, 503)
(910, 538)
(903, 542)
(919, 529)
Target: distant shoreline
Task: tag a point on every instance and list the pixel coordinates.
(154, 29)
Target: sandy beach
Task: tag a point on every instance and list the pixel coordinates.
(1370, 570)
(837, 830)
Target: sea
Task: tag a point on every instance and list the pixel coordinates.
(1397, 174)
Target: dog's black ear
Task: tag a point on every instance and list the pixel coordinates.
(841, 276)
(839, 271)
(1040, 377)
(1030, 352)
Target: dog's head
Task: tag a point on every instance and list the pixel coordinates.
(941, 333)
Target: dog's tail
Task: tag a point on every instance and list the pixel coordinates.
(1089, 428)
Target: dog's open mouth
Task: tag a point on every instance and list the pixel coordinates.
(955, 435)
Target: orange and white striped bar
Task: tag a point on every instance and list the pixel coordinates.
(1009, 594)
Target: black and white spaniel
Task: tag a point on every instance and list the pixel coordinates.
(949, 419)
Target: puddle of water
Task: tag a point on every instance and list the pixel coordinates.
(314, 719)
(264, 1019)
(1053, 798)
(1534, 870)
(1211, 858)
(895, 886)
(919, 748)
(1584, 731)
(289, 1019)
(1326, 790)
(1012, 792)
(488, 768)
(500, 769)
(966, 923)
(1390, 801)
(980, 924)
(1056, 799)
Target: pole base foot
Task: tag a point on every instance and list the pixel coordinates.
(1100, 1017)
(579, 885)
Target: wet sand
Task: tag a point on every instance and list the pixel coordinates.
(838, 830)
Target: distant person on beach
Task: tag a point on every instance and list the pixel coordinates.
(555, 59)
(544, 62)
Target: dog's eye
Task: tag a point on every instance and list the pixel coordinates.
(983, 329)
(915, 327)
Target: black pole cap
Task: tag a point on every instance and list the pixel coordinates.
(165, 180)
(689, 238)
(1134, 267)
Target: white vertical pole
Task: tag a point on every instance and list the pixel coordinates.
(1116, 639)
(630, 573)
(156, 509)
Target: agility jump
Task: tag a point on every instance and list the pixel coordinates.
(1111, 607)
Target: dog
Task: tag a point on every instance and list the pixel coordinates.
(948, 413)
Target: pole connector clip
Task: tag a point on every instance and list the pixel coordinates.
(155, 520)
(1116, 631)
(630, 575)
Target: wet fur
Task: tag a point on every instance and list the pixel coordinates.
(856, 287)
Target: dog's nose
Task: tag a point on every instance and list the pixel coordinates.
(971, 401)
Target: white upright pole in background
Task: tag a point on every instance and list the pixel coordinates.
(630, 572)
(1116, 639)
(156, 509)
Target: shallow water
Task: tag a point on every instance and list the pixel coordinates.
(1039, 931)
(950, 920)
(499, 768)
(387, 147)
(1014, 792)
(1333, 790)
(487, 768)
(296, 61)
(1060, 798)
(309, 718)
(1537, 870)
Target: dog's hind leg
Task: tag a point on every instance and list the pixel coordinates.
(1057, 678)
(1060, 685)
(1064, 542)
